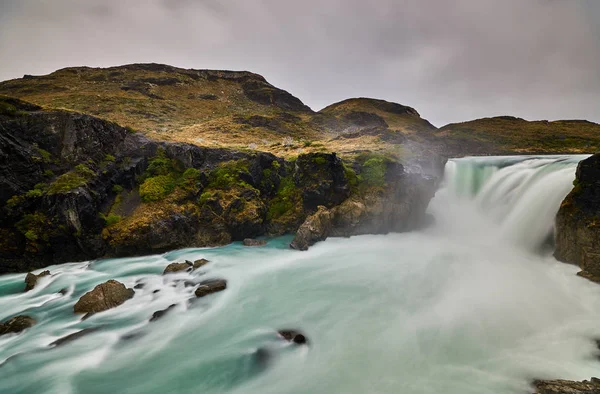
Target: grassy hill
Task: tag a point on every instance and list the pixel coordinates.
(218, 108)
(241, 110)
(507, 134)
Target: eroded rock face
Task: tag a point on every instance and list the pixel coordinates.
(105, 296)
(16, 324)
(399, 207)
(315, 228)
(578, 221)
(567, 387)
(211, 286)
(32, 279)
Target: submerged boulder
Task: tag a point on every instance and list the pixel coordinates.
(210, 286)
(578, 221)
(178, 267)
(16, 324)
(32, 279)
(105, 296)
(254, 242)
(567, 387)
(158, 314)
(293, 336)
(72, 337)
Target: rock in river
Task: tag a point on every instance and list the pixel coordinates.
(32, 279)
(211, 286)
(105, 296)
(178, 267)
(16, 324)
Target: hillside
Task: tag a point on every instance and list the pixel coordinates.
(239, 110)
(507, 134)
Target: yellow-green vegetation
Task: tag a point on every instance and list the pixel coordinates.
(111, 219)
(33, 226)
(227, 175)
(163, 176)
(71, 180)
(509, 134)
(373, 169)
(38, 191)
(287, 203)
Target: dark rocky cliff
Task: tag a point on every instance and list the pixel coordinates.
(578, 221)
(75, 187)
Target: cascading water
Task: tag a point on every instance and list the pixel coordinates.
(521, 194)
(465, 306)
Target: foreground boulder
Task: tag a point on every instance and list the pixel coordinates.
(210, 286)
(578, 221)
(105, 296)
(567, 387)
(32, 279)
(16, 324)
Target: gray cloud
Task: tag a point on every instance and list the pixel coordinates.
(451, 60)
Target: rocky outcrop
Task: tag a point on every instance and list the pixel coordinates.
(567, 387)
(397, 207)
(105, 296)
(578, 221)
(16, 324)
(315, 228)
(32, 279)
(210, 286)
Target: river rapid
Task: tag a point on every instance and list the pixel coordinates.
(475, 303)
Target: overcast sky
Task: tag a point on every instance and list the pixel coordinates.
(452, 60)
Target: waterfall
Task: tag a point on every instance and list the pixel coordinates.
(517, 196)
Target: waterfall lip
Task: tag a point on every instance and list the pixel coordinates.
(519, 194)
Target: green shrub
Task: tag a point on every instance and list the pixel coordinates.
(319, 160)
(112, 219)
(109, 158)
(78, 177)
(157, 187)
(373, 169)
(33, 226)
(189, 179)
(49, 173)
(117, 189)
(287, 199)
(227, 175)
